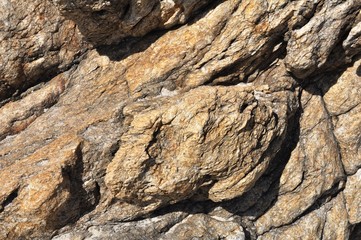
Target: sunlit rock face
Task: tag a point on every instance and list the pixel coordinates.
(175, 119)
(109, 21)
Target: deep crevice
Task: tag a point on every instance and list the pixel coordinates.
(232, 71)
(355, 232)
(9, 199)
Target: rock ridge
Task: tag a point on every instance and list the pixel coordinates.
(169, 119)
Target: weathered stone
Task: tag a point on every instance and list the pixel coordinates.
(310, 46)
(353, 197)
(352, 44)
(242, 123)
(36, 43)
(176, 146)
(327, 222)
(343, 102)
(38, 192)
(150, 228)
(202, 226)
(106, 22)
(17, 116)
(314, 167)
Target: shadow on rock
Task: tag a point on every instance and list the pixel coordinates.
(81, 201)
(132, 45)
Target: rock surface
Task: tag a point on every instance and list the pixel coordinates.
(36, 43)
(109, 21)
(165, 119)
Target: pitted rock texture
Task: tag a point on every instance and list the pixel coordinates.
(176, 119)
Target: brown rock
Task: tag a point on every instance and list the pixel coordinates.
(107, 22)
(17, 116)
(343, 101)
(314, 167)
(36, 43)
(310, 46)
(230, 130)
(38, 192)
(353, 197)
(238, 120)
(327, 222)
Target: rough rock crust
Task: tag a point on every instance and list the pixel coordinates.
(109, 21)
(167, 119)
(36, 43)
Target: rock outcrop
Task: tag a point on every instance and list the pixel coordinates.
(166, 119)
(36, 43)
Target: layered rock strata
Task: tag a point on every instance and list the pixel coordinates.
(180, 119)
